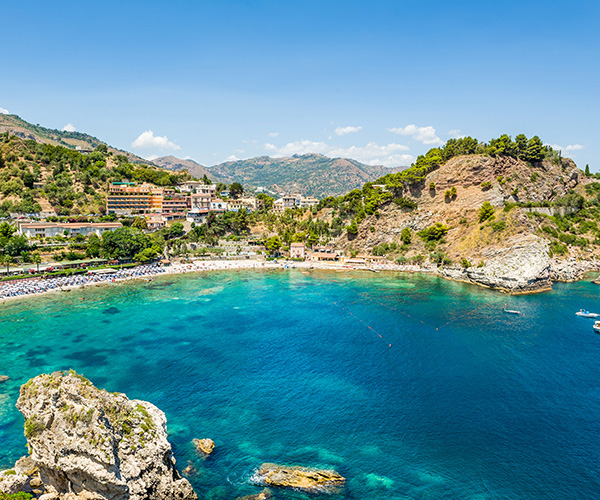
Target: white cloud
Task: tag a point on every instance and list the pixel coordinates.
(389, 155)
(4, 111)
(148, 140)
(69, 127)
(273, 134)
(347, 130)
(570, 147)
(232, 158)
(456, 134)
(151, 157)
(426, 135)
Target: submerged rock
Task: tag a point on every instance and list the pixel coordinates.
(204, 446)
(4, 378)
(303, 478)
(263, 495)
(96, 444)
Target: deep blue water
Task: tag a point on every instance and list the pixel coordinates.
(411, 386)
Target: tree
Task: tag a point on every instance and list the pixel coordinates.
(7, 260)
(535, 149)
(140, 223)
(587, 170)
(123, 243)
(434, 233)
(267, 201)
(93, 246)
(16, 245)
(36, 258)
(405, 236)
(273, 244)
(220, 187)
(352, 229)
(520, 145)
(486, 211)
(235, 190)
(206, 180)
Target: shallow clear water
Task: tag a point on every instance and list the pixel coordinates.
(411, 386)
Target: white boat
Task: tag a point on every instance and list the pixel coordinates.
(597, 326)
(511, 311)
(586, 314)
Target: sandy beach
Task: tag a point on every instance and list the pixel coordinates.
(23, 288)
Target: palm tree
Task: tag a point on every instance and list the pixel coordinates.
(8, 260)
(36, 258)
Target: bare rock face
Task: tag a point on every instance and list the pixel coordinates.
(572, 269)
(523, 266)
(204, 446)
(94, 444)
(302, 478)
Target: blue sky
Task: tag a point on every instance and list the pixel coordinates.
(378, 81)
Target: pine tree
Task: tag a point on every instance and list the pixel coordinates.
(587, 170)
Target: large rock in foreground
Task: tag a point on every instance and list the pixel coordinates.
(98, 444)
(303, 478)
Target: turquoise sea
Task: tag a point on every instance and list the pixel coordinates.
(412, 387)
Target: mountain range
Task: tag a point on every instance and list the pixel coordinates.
(309, 174)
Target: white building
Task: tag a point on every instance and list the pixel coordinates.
(51, 229)
(198, 187)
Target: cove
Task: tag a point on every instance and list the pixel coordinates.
(410, 386)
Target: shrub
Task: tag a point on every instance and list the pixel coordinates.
(486, 211)
(550, 230)
(558, 249)
(406, 236)
(401, 260)
(501, 180)
(434, 233)
(405, 203)
(534, 177)
(486, 185)
(498, 226)
(432, 186)
(464, 263)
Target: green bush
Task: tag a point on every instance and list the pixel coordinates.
(486, 211)
(434, 233)
(486, 185)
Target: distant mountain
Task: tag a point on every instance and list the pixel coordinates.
(311, 174)
(73, 140)
(193, 167)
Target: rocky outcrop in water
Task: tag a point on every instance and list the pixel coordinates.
(89, 443)
(572, 269)
(302, 478)
(204, 446)
(521, 267)
(4, 378)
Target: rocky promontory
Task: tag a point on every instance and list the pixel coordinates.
(521, 266)
(88, 443)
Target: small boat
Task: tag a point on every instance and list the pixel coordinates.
(596, 326)
(511, 311)
(586, 314)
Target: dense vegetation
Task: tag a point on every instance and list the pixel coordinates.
(34, 174)
(530, 150)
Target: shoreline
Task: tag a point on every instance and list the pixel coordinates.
(24, 289)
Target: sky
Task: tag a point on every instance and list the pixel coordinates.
(378, 81)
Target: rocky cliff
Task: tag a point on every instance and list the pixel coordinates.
(513, 248)
(88, 443)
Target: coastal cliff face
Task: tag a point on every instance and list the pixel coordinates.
(522, 267)
(94, 444)
(512, 250)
